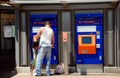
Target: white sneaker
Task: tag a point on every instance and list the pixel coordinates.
(34, 74)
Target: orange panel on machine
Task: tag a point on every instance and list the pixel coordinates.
(87, 48)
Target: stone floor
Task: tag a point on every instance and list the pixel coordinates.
(73, 75)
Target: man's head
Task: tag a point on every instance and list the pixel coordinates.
(47, 23)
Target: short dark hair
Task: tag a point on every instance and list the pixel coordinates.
(47, 22)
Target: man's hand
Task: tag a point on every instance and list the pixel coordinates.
(35, 38)
(52, 45)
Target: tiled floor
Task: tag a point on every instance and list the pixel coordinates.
(69, 76)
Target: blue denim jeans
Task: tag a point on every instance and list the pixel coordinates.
(42, 52)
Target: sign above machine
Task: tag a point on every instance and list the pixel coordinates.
(57, 1)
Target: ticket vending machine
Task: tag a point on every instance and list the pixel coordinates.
(89, 38)
(37, 21)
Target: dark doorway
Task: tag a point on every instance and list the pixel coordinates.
(7, 41)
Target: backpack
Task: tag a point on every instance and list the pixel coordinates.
(60, 69)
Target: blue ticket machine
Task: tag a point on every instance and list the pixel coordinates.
(89, 38)
(37, 21)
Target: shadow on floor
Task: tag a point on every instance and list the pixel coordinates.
(7, 74)
(7, 64)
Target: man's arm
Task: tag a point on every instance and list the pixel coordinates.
(52, 41)
(36, 37)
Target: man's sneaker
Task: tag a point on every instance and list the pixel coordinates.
(34, 74)
(48, 74)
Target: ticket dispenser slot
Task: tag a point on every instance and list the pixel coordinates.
(86, 44)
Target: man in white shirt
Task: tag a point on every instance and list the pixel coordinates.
(46, 42)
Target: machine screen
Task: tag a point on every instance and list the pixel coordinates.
(86, 40)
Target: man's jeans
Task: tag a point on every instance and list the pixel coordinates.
(43, 52)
